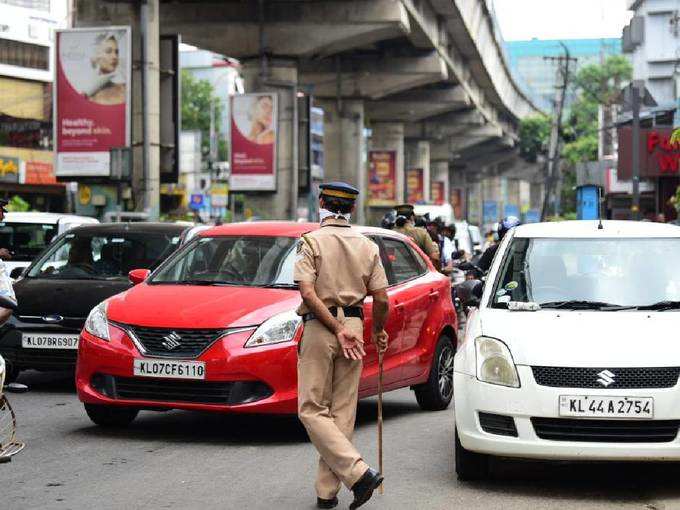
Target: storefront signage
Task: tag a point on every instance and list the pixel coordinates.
(658, 156)
(39, 172)
(382, 177)
(254, 119)
(9, 169)
(92, 99)
(415, 186)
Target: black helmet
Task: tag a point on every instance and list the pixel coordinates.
(506, 224)
(389, 220)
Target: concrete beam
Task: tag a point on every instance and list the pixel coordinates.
(445, 126)
(417, 104)
(374, 77)
(301, 29)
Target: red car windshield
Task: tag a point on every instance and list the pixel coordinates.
(256, 261)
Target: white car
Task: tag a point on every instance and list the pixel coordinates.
(28, 233)
(569, 351)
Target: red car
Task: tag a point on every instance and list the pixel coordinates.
(214, 328)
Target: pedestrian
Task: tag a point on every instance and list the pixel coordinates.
(5, 254)
(336, 268)
(405, 225)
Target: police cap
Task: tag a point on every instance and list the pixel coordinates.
(338, 190)
(405, 210)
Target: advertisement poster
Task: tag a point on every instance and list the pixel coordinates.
(382, 177)
(437, 192)
(490, 211)
(415, 186)
(254, 118)
(92, 98)
(458, 203)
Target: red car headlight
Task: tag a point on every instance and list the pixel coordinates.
(97, 323)
(277, 329)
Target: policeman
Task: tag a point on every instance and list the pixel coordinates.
(405, 225)
(336, 267)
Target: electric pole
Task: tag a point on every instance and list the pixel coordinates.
(553, 180)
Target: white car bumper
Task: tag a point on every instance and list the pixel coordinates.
(532, 400)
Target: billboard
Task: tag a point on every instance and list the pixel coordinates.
(252, 131)
(382, 177)
(437, 192)
(458, 202)
(92, 99)
(415, 186)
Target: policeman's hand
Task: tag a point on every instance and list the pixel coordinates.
(5, 254)
(380, 339)
(352, 345)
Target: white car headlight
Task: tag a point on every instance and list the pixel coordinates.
(97, 323)
(277, 329)
(494, 363)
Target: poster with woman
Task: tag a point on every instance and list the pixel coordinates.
(253, 142)
(92, 98)
(382, 177)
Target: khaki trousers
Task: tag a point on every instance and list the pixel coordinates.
(328, 387)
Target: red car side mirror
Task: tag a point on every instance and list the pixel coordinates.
(138, 275)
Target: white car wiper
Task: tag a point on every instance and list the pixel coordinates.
(580, 304)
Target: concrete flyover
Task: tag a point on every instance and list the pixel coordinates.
(427, 77)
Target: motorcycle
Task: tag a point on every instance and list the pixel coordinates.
(9, 444)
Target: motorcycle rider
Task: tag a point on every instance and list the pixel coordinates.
(503, 227)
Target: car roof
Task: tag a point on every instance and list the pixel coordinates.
(43, 217)
(589, 229)
(134, 227)
(281, 229)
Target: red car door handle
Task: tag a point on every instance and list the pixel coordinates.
(399, 307)
(434, 295)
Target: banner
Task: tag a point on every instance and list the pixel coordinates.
(415, 186)
(92, 98)
(458, 203)
(437, 192)
(9, 169)
(254, 118)
(382, 177)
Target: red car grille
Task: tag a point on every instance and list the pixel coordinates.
(175, 343)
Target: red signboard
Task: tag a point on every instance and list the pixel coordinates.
(382, 177)
(253, 142)
(458, 203)
(38, 172)
(92, 98)
(658, 157)
(415, 186)
(437, 192)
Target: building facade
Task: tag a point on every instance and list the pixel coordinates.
(26, 74)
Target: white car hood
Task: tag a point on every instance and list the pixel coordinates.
(587, 338)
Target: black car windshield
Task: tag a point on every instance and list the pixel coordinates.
(602, 274)
(103, 256)
(256, 261)
(26, 240)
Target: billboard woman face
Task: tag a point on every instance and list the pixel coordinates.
(106, 58)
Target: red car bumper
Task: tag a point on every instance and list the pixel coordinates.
(237, 379)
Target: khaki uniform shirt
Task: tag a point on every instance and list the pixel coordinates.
(343, 264)
(421, 238)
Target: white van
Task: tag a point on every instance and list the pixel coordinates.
(28, 233)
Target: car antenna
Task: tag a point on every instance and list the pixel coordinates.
(600, 203)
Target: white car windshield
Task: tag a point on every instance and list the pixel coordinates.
(26, 240)
(590, 273)
(258, 261)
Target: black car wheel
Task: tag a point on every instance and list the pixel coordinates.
(437, 392)
(109, 416)
(470, 465)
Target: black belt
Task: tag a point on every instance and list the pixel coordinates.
(350, 311)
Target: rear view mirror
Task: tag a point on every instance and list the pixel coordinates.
(137, 276)
(470, 293)
(16, 273)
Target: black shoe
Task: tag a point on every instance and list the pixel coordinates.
(326, 503)
(363, 489)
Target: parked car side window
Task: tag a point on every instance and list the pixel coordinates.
(404, 263)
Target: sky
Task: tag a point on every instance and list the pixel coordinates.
(561, 19)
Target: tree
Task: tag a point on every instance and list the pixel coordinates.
(533, 136)
(198, 97)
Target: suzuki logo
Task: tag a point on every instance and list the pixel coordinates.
(172, 341)
(606, 378)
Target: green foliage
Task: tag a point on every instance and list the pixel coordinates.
(18, 204)
(197, 96)
(533, 136)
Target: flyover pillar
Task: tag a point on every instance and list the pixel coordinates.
(345, 146)
(388, 136)
(279, 77)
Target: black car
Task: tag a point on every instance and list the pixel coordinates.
(80, 269)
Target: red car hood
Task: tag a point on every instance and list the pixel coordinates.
(200, 307)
